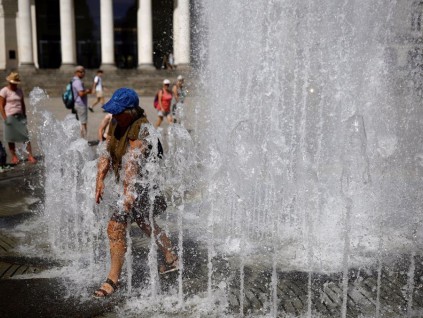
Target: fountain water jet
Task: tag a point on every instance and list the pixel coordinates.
(311, 136)
(315, 73)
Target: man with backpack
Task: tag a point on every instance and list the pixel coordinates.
(80, 94)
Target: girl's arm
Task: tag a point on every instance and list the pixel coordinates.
(175, 93)
(160, 100)
(103, 125)
(102, 169)
(2, 105)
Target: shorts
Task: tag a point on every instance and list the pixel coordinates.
(15, 129)
(99, 94)
(163, 114)
(82, 112)
(141, 209)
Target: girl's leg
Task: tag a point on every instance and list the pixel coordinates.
(12, 149)
(30, 156)
(162, 241)
(83, 130)
(158, 122)
(170, 119)
(116, 232)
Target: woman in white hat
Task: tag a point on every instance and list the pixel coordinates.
(164, 98)
(179, 94)
(13, 112)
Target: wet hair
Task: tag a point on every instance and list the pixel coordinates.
(139, 111)
(135, 112)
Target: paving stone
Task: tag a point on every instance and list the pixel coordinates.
(390, 292)
(233, 300)
(298, 292)
(387, 298)
(3, 247)
(4, 267)
(11, 271)
(289, 307)
(350, 304)
(6, 243)
(21, 270)
(251, 300)
(331, 298)
(361, 296)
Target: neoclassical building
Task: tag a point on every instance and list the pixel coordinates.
(95, 33)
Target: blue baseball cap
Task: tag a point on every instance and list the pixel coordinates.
(123, 98)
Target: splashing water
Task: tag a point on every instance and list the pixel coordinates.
(311, 148)
(303, 116)
(74, 227)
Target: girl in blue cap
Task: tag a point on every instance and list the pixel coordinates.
(123, 139)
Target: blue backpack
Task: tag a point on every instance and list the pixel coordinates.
(67, 96)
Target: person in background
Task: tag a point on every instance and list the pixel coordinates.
(81, 98)
(98, 88)
(179, 94)
(171, 61)
(164, 62)
(128, 136)
(104, 127)
(165, 99)
(13, 112)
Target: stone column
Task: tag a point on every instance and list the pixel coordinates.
(3, 48)
(145, 35)
(34, 34)
(181, 33)
(107, 35)
(24, 27)
(67, 35)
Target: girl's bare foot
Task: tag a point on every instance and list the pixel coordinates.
(15, 160)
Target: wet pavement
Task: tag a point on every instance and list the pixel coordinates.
(21, 193)
(400, 292)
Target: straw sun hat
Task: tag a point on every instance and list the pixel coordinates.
(13, 78)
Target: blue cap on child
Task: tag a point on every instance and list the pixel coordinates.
(123, 98)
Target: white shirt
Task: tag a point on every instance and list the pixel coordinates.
(98, 83)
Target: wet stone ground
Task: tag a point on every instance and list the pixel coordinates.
(400, 290)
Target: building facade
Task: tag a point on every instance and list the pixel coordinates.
(95, 33)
